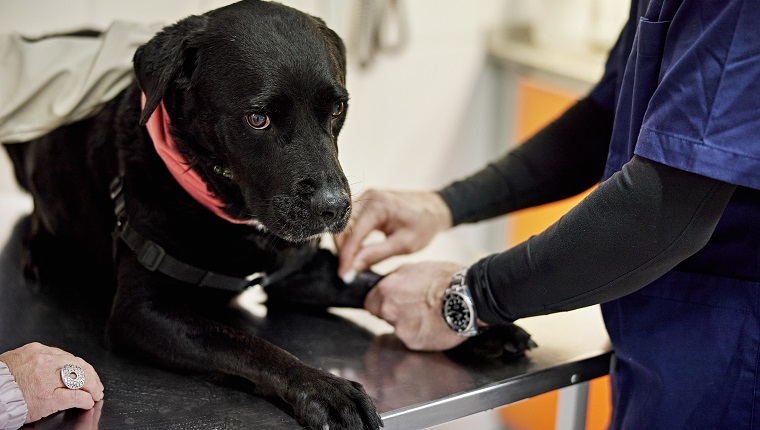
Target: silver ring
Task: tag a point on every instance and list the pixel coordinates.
(77, 381)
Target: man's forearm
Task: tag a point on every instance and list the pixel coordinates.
(631, 230)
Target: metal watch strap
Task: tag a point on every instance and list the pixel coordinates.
(459, 279)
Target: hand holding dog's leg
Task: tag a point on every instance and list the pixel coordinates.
(411, 298)
(410, 220)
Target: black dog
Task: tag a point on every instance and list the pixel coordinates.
(239, 176)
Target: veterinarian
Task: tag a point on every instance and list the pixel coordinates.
(45, 84)
(669, 243)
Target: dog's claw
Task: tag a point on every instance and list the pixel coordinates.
(349, 276)
(510, 348)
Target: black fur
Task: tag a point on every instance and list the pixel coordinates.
(210, 71)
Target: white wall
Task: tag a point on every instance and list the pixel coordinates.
(426, 116)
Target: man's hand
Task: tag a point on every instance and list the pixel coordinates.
(409, 220)
(410, 299)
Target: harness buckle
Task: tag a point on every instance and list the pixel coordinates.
(115, 187)
(151, 255)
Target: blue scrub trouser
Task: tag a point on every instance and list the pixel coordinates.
(688, 349)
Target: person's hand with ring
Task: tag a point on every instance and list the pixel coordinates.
(52, 380)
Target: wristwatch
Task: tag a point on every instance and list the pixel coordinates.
(458, 307)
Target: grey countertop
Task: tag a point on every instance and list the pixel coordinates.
(411, 390)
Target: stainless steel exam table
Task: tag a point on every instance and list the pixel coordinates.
(411, 390)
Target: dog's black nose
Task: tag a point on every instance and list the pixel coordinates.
(329, 205)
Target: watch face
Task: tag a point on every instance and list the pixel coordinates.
(457, 312)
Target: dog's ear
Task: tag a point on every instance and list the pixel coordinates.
(168, 56)
(336, 47)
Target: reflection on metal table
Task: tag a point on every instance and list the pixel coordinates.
(411, 390)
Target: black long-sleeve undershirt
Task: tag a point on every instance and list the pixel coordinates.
(562, 160)
(631, 230)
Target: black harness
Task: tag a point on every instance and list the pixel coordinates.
(153, 256)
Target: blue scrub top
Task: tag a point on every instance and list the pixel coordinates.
(684, 82)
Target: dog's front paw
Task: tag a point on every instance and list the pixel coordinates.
(506, 342)
(317, 285)
(321, 400)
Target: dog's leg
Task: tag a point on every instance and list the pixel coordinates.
(317, 285)
(147, 319)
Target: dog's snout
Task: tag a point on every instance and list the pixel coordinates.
(329, 205)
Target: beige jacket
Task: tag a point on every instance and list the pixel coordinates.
(56, 81)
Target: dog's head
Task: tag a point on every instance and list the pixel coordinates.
(256, 95)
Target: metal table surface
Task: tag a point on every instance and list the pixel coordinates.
(412, 390)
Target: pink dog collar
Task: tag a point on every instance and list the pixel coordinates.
(158, 128)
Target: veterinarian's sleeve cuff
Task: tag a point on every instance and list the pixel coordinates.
(13, 408)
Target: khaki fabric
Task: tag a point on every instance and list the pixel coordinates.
(51, 82)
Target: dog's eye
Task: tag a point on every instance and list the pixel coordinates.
(257, 121)
(337, 109)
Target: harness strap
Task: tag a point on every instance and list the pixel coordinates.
(154, 257)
